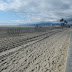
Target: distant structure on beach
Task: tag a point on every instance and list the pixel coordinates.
(38, 28)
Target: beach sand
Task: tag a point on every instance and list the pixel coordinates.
(47, 55)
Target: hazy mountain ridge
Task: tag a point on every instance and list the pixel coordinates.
(40, 24)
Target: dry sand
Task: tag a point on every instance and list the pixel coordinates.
(47, 55)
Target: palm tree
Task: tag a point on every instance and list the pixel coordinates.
(65, 22)
(62, 22)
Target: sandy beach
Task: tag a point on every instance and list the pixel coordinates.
(36, 52)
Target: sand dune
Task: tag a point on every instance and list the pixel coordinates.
(46, 53)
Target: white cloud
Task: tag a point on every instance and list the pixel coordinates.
(39, 10)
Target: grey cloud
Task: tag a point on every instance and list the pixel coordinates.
(48, 10)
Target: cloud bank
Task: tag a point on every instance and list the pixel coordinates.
(39, 10)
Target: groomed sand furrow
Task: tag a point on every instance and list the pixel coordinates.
(12, 42)
(30, 42)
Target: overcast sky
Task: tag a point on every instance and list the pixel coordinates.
(13, 12)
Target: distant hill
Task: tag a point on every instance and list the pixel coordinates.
(40, 24)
